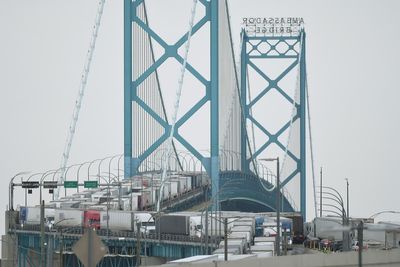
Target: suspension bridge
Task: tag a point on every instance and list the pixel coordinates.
(209, 120)
(154, 135)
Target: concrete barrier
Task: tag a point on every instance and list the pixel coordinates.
(371, 258)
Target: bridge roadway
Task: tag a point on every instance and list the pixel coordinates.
(121, 246)
(238, 191)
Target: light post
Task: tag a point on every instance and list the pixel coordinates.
(108, 204)
(65, 174)
(347, 186)
(278, 205)
(119, 187)
(99, 166)
(11, 190)
(45, 174)
(373, 216)
(26, 192)
(77, 173)
(337, 198)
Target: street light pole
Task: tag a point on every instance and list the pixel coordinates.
(278, 205)
(320, 194)
(226, 239)
(11, 190)
(278, 210)
(348, 213)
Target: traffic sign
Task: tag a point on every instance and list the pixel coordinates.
(90, 184)
(30, 184)
(70, 184)
(90, 249)
(50, 184)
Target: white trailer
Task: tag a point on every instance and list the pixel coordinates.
(70, 204)
(246, 235)
(175, 186)
(96, 196)
(262, 248)
(264, 239)
(235, 243)
(118, 220)
(327, 228)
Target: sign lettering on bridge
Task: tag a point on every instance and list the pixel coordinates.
(272, 26)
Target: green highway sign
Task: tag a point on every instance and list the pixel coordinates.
(90, 184)
(70, 184)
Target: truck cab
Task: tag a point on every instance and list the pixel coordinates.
(91, 218)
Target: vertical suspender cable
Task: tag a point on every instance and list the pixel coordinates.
(250, 109)
(176, 106)
(158, 85)
(82, 87)
(311, 149)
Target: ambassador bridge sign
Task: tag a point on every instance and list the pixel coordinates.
(272, 26)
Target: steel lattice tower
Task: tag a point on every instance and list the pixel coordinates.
(251, 50)
(134, 79)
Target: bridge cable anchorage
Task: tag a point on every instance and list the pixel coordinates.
(81, 92)
(311, 149)
(176, 106)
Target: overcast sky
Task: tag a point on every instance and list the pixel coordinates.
(352, 60)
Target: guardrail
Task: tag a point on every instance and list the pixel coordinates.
(78, 231)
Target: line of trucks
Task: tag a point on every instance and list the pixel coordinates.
(243, 229)
(140, 193)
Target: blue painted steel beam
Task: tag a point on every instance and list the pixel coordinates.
(303, 74)
(214, 103)
(243, 99)
(131, 84)
(128, 12)
(299, 60)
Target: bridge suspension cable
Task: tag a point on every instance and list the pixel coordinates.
(242, 115)
(311, 150)
(81, 92)
(176, 105)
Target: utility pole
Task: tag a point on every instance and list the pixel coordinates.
(206, 222)
(348, 211)
(278, 205)
(360, 238)
(278, 209)
(226, 239)
(320, 193)
(61, 249)
(42, 236)
(138, 226)
(348, 245)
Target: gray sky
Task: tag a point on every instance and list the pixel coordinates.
(352, 56)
